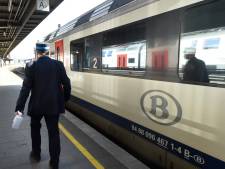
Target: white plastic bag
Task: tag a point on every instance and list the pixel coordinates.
(17, 121)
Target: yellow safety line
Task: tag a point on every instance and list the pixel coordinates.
(82, 149)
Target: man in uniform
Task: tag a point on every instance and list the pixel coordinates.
(195, 69)
(50, 89)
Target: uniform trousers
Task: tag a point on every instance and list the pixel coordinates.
(53, 135)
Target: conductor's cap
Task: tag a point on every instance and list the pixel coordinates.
(42, 47)
(189, 51)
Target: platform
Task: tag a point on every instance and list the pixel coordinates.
(82, 147)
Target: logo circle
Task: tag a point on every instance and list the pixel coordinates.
(161, 107)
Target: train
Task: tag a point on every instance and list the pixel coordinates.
(125, 59)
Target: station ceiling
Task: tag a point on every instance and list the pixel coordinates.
(18, 20)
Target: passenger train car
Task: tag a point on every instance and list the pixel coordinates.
(125, 59)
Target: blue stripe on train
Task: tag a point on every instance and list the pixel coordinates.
(183, 151)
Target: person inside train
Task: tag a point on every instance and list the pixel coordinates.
(194, 69)
(50, 89)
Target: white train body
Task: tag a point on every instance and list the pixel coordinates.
(182, 119)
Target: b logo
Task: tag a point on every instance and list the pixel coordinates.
(161, 107)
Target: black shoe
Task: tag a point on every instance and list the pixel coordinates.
(53, 165)
(34, 157)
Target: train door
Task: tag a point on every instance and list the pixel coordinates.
(59, 51)
(122, 61)
(77, 54)
(160, 60)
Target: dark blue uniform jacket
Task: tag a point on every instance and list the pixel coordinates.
(195, 71)
(49, 85)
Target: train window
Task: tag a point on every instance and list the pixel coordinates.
(131, 60)
(202, 44)
(76, 55)
(126, 34)
(163, 33)
(86, 53)
(211, 43)
(131, 56)
(92, 57)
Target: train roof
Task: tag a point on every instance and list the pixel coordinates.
(102, 12)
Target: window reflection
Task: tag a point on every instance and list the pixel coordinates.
(207, 47)
(77, 50)
(203, 28)
(127, 56)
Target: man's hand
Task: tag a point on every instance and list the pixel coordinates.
(19, 113)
